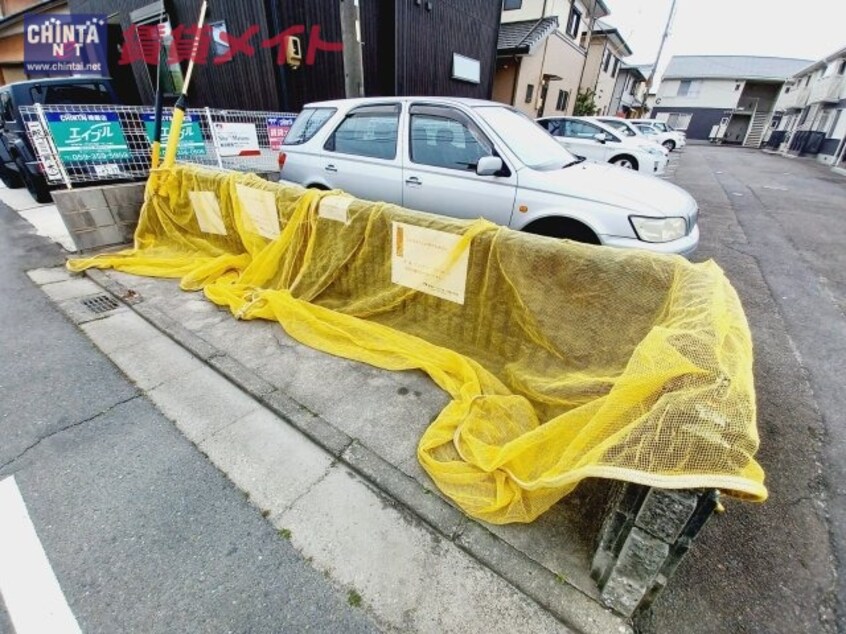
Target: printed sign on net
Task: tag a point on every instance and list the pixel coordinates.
(87, 136)
(236, 139)
(190, 136)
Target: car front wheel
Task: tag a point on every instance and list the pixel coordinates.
(670, 145)
(627, 162)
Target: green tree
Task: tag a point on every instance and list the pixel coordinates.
(585, 103)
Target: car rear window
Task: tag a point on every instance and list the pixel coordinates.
(94, 93)
(307, 125)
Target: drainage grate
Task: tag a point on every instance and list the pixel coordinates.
(100, 303)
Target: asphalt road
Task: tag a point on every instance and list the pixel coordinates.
(777, 226)
(142, 532)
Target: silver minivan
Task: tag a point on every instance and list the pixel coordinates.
(471, 158)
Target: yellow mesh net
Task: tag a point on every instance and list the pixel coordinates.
(563, 361)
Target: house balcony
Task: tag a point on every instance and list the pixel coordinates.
(828, 89)
(796, 99)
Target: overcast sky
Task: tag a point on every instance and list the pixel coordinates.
(810, 29)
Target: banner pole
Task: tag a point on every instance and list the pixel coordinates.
(182, 103)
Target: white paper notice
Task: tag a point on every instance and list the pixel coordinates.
(418, 259)
(260, 207)
(208, 212)
(335, 208)
(236, 139)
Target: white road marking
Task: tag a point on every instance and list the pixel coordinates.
(31, 592)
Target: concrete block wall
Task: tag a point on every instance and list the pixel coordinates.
(645, 535)
(100, 216)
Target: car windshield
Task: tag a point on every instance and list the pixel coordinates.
(620, 127)
(532, 145)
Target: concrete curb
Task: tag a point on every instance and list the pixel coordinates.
(566, 602)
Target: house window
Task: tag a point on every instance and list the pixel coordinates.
(573, 22)
(606, 61)
(834, 123)
(842, 69)
(616, 66)
(807, 80)
(511, 5)
(530, 92)
(563, 98)
(688, 88)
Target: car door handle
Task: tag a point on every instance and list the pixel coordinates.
(331, 168)
(413, 180)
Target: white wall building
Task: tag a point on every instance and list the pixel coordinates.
(811, 106)
(727, 98)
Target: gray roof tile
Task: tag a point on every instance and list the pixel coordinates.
(733, 67)
(523, 37)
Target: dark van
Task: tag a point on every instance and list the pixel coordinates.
(18, 164)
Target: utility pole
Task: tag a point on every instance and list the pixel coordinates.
(661, 47)
(351, 38)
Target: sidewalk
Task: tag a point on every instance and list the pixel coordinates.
(335, 469)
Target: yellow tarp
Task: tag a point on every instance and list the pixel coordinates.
(564, 361)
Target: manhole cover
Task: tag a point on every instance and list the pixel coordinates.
(100, 303)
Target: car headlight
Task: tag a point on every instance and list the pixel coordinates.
(654, 151)
(658, 229)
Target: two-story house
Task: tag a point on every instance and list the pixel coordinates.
(812, 105)
(606, 51)
(629, 94)
(541, 53)
(725, 98)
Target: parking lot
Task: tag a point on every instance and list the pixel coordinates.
(777, 227)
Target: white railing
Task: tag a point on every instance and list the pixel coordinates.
(796, 99)
(828, 89)
(90, 143)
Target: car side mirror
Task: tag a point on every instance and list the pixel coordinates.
(601, 137)
(488, 165)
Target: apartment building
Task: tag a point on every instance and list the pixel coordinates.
(725, 98)
(12, 33)
(541, 53)
(810, 117)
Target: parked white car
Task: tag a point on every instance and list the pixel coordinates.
(625, 128)
(471, 158)
(598, 142)
(668, 137)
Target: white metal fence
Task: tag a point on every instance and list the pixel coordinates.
(90, 143)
